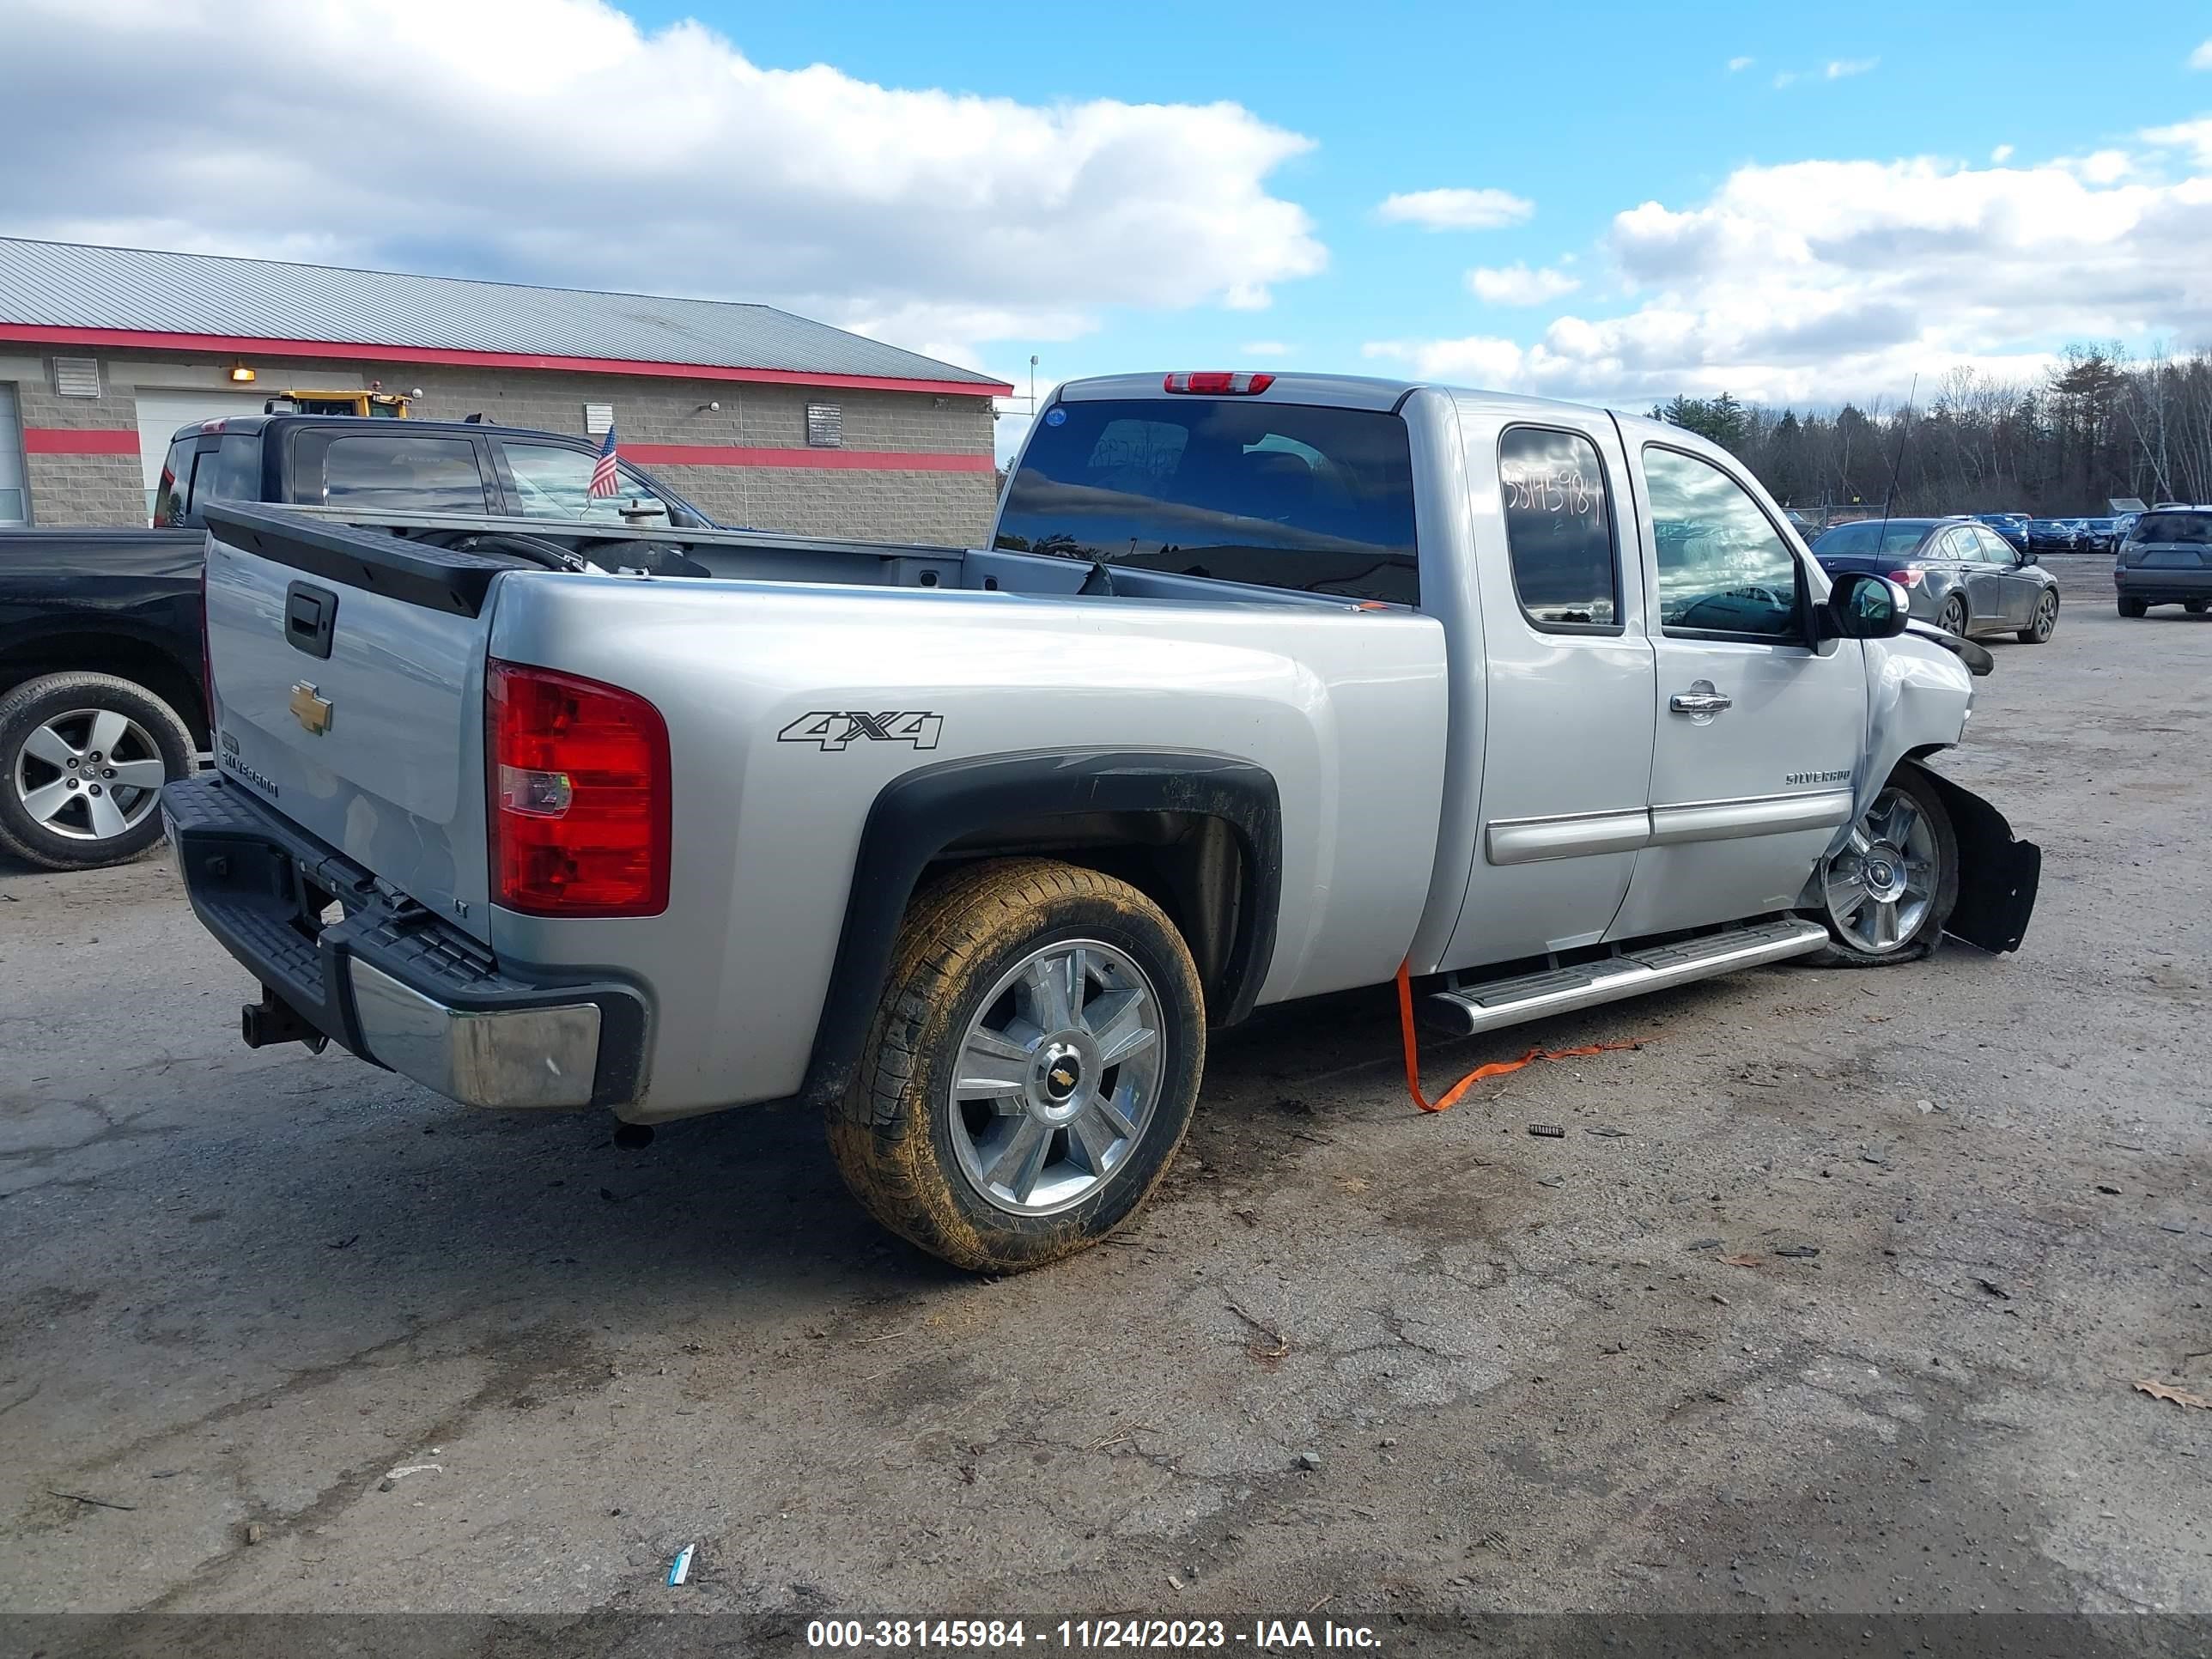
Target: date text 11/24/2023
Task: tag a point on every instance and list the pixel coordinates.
(987, 1635)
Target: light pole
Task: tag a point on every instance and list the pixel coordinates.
(1033, 362)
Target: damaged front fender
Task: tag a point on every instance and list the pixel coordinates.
(1998, 872)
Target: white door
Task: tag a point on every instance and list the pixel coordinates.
(15, 497)
(161, 413)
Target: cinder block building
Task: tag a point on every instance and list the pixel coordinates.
(760, 417)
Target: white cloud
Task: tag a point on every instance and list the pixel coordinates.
(2202, 58)
(560, 142)
(2000, 155)
(1455, 210)
(1819, 280)
(1786, 78)
(1840, 68)
(1265, 349)
(2194, 137)
(1518, 285)
(1737, 65)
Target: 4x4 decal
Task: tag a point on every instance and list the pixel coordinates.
(832, 730)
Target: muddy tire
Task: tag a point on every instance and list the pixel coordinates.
(1889, 889)
(82, 759)
(1031, 1068)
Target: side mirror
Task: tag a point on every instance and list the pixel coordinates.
(2025, 556)
(1864, 606)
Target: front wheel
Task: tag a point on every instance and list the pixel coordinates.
(1888, 891)
(2039, 631)
(1031, 1069)
(82, 760)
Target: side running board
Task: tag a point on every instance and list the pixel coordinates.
(1486, 1007)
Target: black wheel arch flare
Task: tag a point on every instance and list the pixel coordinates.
(919, 816)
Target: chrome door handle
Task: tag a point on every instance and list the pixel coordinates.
(1701, 702)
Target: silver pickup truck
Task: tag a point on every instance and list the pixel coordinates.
(1267, 686)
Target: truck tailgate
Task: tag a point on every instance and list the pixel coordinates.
(348, 672)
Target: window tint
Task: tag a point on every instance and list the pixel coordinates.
(553, 483)
(1722, 568)
(175, 487)
(1849, 538)
(232, 473)
(2194, 529)
(1559, 529)
(1994, 546)
(1283, 494)
(389, 472)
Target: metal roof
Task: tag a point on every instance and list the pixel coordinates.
(62, 285)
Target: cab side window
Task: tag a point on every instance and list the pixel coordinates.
(1724, 568)
(1559, 531)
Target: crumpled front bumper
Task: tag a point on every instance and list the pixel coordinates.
(383, 977)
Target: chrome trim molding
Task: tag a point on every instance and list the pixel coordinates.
(521, 1057)
(1583, 834)
(1526, 840)
(1757, 815)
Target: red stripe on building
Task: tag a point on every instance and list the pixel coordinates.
(78, 440)
(878, 460)
(239, 346)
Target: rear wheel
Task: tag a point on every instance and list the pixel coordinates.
(2194, 607)
(1888, 891)
(82, 759)
(1953, 617)
(1031, 1069)
(2046, 619)
(2133, 607)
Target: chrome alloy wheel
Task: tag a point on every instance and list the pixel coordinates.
(1057, 1076)
(89, 774)
(1879, 885)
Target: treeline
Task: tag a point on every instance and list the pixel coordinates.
(2099, 425)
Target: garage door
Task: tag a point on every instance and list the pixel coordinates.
(161, 413)
(15, 504)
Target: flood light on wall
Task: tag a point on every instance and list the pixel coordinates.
(242, 374)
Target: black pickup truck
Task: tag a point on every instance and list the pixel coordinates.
(101, 695)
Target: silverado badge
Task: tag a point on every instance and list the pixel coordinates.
(311, 710)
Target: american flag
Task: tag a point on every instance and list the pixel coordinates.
(603, 473)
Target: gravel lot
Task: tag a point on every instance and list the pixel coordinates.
(1831, 1298)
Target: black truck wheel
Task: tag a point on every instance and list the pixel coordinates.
(82, 760)
(1031, 1069)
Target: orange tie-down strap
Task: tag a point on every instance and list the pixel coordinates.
(1450, 1098)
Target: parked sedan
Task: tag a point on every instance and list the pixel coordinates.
(2054, 535)
(1962, 575)
(2098, 535)
(2167, 560)
(2012, 526)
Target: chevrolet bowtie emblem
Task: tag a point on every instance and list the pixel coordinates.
(311, 710)
(1063, 1077)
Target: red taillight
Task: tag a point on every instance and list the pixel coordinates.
(1906, 578)
(1218, 382)
(579, 775)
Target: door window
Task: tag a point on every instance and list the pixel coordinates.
(1559, 531)
(390, 472)
(554, 482)
(1724, 568)
(1995, 548)
(1959, 545)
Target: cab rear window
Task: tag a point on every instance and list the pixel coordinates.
(1281, 495)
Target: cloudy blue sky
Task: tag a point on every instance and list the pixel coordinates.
(1615, 203)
